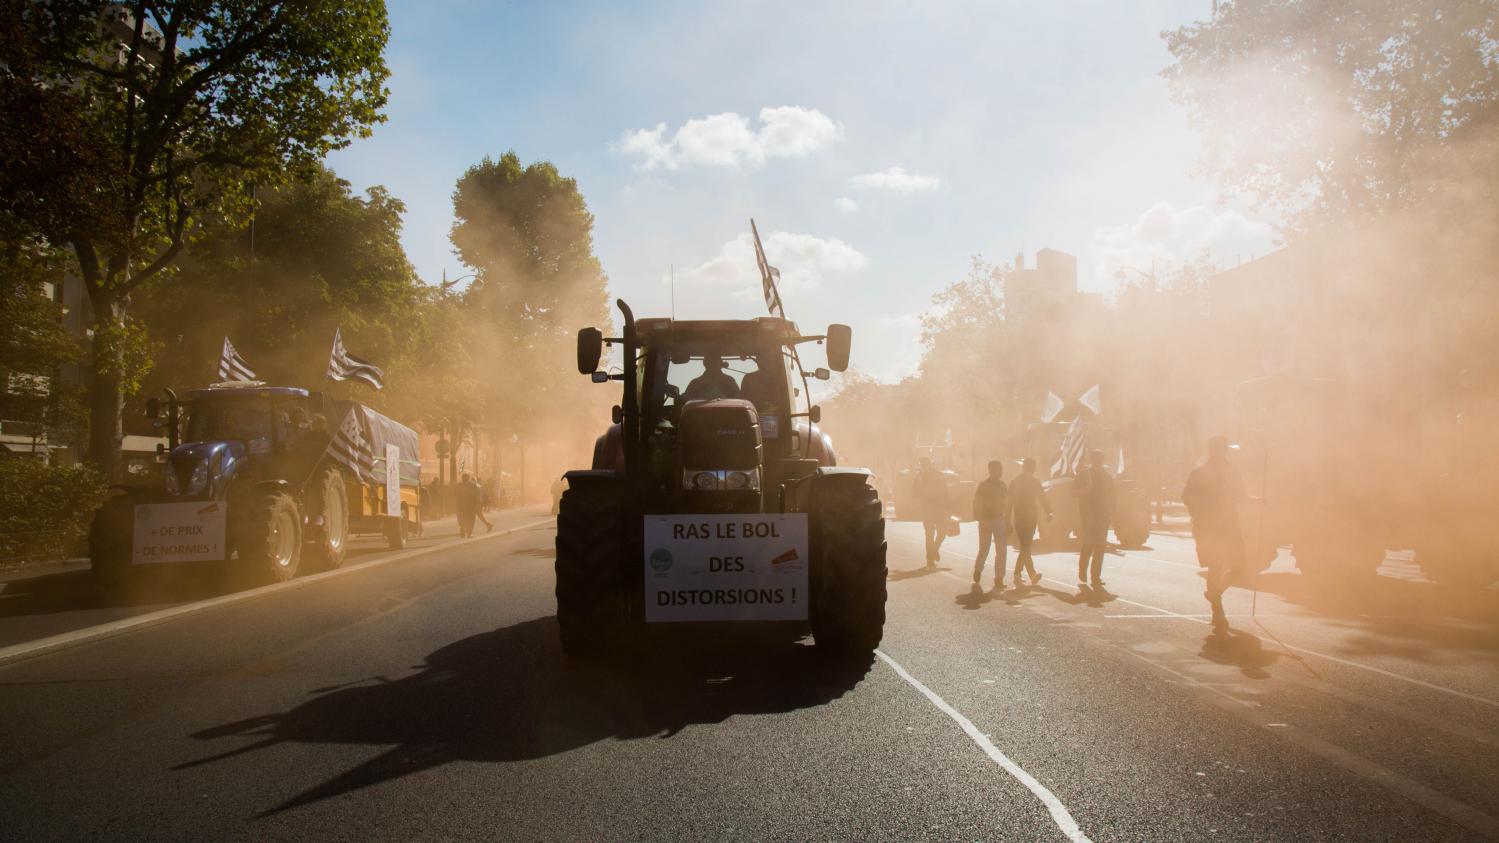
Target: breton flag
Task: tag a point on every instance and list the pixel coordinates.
(344, 366)
(350, 447)
(233, 367)
(769, 275)
(1053, 408)
(1090, 400)
(1071, 455)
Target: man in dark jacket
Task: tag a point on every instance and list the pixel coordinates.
(1213, 494)
(1094, 489)
(989, 513)
(931, 501)
(466, 499)
(1025, 502)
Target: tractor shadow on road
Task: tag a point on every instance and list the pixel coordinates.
(510, 695)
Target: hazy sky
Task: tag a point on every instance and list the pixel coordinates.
(878, 145)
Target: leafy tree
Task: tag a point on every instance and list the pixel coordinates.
(527, 234)
(34, 346)
(322, 258)
(182, 107)
(1332, 110)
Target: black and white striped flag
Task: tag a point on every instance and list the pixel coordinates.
(1071, 456)
(233, 367)
(350, 447)
(344, 366)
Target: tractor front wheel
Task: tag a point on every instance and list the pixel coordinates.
(848, 528)
(328, 499)
(590, 583)
(270, 538)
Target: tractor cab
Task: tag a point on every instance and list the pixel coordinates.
(230, 431)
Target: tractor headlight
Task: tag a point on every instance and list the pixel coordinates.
(729, 480)
(199, 481)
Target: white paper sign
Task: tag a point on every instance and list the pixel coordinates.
(392, 479)
(178, 532)
(726, 567)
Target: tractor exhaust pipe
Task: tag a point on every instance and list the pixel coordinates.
(631, 403)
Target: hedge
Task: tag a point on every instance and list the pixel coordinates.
(45, 510)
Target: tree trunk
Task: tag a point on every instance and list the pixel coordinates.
(106, 398)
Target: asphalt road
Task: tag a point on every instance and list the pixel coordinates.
(424, 696)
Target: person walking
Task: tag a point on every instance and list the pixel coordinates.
(1094, 489)
(931, 500)
(989, 513)
(466, 496)
(1024, 504)
(1213, 493)
(483, 504)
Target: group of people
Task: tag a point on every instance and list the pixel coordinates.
(1212, 495)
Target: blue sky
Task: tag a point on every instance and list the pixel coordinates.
(878, 145)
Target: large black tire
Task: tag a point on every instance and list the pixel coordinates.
(268, 537)
(327, 499)
(109, 543)
(849, 572)
(590, 572)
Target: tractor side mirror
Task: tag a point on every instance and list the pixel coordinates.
(840, 338)
(590, 349)
(153, 408)
(814, 414)
(599, 377)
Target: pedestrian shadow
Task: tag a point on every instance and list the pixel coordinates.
(510, 695)
(975, 597)
(915, 573)
(1239, 649)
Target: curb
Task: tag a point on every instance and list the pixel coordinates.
(65, 640)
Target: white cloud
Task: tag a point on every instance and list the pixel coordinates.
(896, 180)
(845, 204)
(1170, 236)
(728, 140)
(804, 261)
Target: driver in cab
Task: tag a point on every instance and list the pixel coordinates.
(714, 382)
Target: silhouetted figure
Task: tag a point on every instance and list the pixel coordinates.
(483, 504)
(931, 501)
(1025, 503)
(466, 498)
(1094, 489)
(1213, 493)
(989, 513)
(558, 487)
(714, 382)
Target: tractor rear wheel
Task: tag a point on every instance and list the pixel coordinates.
(328, 499)
(590, 581)
(269, 538)
(848, 532)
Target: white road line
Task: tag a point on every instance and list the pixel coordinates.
(1059, 813)
(29, 649)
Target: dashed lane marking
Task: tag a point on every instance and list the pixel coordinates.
(17, 652)
(1059, 813)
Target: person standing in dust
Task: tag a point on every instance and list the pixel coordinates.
(989, 513)
(1095, 507)
(1213, 493)
(931, 501)
(466, 499)
(1026, 501)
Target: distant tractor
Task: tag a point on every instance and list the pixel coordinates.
(1344, 480)
(1131, 498)
(267, 481)
(714, 500)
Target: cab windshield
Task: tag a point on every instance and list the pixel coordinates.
(683, 372)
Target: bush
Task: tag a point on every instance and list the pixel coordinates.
(45, 510)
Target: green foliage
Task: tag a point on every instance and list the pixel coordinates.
(323, 258)
(177, 109)
(528, 235)
(34, 346)
(1331, 110)
(45, 510)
